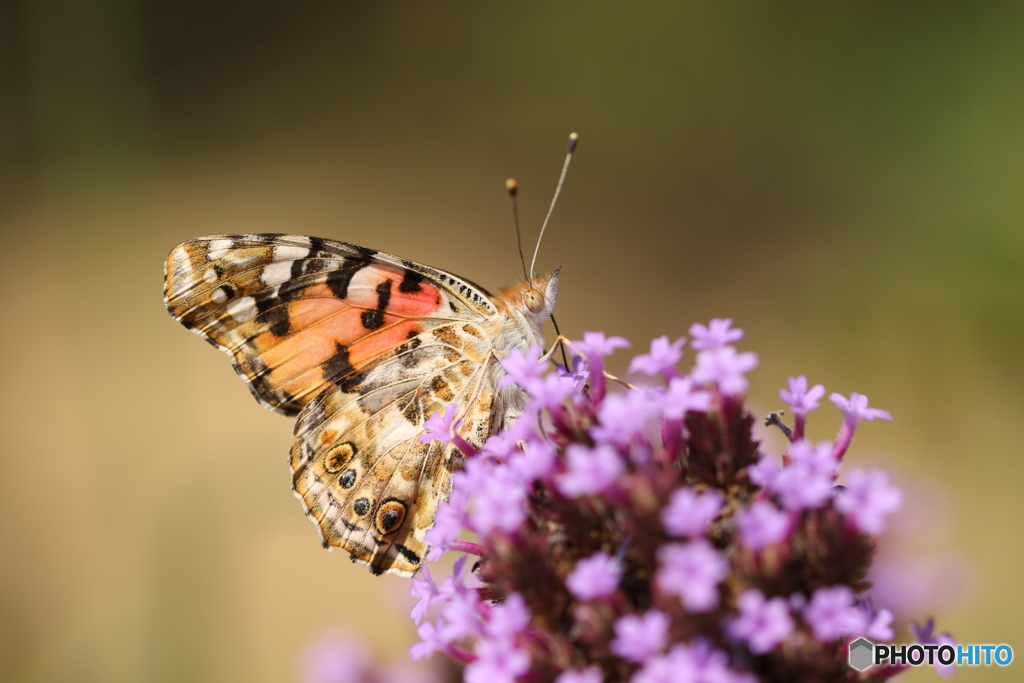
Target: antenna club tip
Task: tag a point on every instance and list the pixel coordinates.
(511, 186)
(573, 139)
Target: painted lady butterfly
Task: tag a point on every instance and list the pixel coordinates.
(363, 347)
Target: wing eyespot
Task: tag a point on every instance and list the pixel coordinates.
(361, 506)
(390, 516)
(340, 456)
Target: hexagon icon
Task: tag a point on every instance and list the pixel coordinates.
(862, 653)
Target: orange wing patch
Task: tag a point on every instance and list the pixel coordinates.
(294, 316)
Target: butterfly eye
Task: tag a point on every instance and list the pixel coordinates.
(533, 300)
(339, 457)
(390, 516)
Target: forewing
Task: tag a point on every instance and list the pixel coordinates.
(358, 466)
(299, 315)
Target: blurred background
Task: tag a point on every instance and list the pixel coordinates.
(845, 182)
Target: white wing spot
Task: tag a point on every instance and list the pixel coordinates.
(288, 252)
(242, 310)
(362, 288)
(218, 249)
(182, 263)
(219, 296)
(276, 273)
(210, 275)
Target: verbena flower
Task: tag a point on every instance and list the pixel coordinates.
(594, 577)
(802, 400)
(691, 571)
(661, 360)
(640, 534)
(340, 657)
(762, 623)
(689, 513)
(640, 636)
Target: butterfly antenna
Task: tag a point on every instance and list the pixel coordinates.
(513, 189)
(565, 167)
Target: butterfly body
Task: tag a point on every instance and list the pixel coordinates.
(362, 347)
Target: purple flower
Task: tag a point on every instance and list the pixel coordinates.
(589, 675)
(675, 666)
(590, 474)
(854, 410)
(504, 444)
(594, 577)
(623, 417)
(460, 616)
(764, 471)
(522, 368)
(799, 398)
(499, 660)
(508, 618)
(638, 637)
(661, 360)
(692, 571)
(533, 463)
(548, 392)
(578, 375)
(594, 347)
(716, 335)
(689, 513)
(925, 635)
(439, 426)
(449, 522)
(762, 524)
(726, 368)
(713, 665)
(453, 584)
(867, 500)
(681, 397)
(807, 481)
(424, 588)
(337, 658)
(589, 470)
(877, 625)
(498, 502)
(429, 641)
(762, 623)
(832, 614)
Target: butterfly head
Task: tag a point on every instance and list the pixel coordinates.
(530, 304)
(538, 296)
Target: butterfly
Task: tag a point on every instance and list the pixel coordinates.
(362, 347)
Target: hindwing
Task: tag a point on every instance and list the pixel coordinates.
(364, 477)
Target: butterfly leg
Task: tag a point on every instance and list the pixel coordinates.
(559, 342)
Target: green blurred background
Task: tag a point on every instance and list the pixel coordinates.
(845, 181)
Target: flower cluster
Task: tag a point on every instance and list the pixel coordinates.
(641, 535)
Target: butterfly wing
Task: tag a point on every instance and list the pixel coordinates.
(364, 477)
(298, 314)
(364, 346)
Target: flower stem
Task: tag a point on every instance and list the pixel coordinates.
(467, 547)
